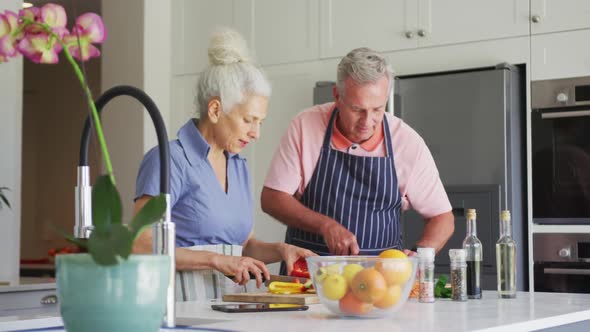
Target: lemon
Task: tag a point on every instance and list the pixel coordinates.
(321, 274)
(334, 268)
(392, 253)
(349, 271)
(334, 287)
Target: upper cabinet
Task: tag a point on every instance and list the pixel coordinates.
(559, 55)
(280, 31)
(390, 25)
(277, 31)
(459, 21)
(384, 25)
(559, 15)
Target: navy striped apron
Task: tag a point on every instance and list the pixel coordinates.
(361, 193)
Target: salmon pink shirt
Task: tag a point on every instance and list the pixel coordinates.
(296, 157)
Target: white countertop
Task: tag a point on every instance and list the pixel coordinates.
(526, 312)
(28, 287)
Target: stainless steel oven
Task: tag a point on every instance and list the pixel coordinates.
(560, 131)
(562, 262)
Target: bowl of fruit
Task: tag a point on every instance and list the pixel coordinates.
(363, 286)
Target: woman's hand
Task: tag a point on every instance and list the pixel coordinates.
(292, 253)
(240, 267)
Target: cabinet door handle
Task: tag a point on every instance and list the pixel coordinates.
(409, 34)
(566, 271)
(49, 299)
(536, 18)
(422, 33)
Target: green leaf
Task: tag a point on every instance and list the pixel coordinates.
(439, 287)
(83, 243)
(101, 249)
(151, 212)
(106, 205)
(4, 200)
(105, 247)
(3, 197)
(122, 240)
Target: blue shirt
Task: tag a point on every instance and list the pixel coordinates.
(202, 211)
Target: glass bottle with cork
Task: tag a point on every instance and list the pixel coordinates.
(474, 256)
(506, 258)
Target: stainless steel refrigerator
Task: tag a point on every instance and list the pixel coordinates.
(473, 122)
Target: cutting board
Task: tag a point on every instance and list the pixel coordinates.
(272, 298)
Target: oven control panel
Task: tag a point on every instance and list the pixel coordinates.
(561, 247)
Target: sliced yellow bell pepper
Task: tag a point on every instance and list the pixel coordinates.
(280, 287)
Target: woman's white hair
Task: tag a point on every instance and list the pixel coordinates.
(230, 76)
(364, 66)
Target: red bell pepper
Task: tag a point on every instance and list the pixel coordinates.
(300, 269)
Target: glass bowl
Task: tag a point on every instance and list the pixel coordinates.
(362, 286)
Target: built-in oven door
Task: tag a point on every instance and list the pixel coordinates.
(562, 277)
(560, 131)
(561, 262)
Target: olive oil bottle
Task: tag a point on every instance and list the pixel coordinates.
(506, 258)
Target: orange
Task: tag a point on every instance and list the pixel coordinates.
(368, 285)
(396, 272)
(391, 297)
(392, 253)
(351, 305)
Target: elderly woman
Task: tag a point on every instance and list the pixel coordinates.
(210, 192)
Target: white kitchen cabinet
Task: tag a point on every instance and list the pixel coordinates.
(459, 21)
(560, 55)
(384, 25)
(559, 15)
(279, 31)
(392, 25)
(192, 25)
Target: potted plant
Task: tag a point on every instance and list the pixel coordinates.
(106, 289)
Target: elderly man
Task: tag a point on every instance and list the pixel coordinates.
(344, 170)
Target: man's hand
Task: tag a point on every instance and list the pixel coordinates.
(410, 253)
(340, 241)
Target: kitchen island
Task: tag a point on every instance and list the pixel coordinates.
(529, 311)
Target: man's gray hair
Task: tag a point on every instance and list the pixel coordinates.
(364, 66)
(230, 76)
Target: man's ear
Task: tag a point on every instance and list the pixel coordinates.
(335, 93)
(214, 109)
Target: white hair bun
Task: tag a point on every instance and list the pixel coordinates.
(227, 47)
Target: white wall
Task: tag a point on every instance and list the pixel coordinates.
(122, 59)
(10, 160)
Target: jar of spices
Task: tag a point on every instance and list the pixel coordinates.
(426, 274)
(458, 274)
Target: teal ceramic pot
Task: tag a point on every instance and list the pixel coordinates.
(130, 296)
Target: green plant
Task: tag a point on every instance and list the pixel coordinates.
(3, 199)
(440, 289)
(40, 34)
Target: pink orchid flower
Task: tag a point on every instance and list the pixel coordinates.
(32, 14)
(55, 17)
(90, 29)
(8, 25)
(40, 48)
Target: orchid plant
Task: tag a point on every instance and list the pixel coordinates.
(40, 34)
